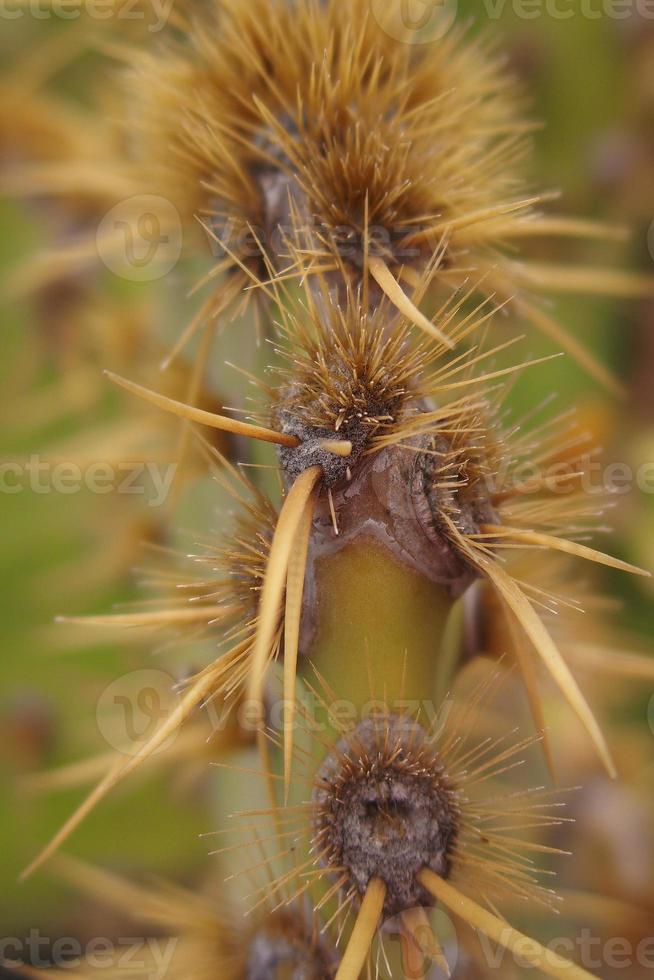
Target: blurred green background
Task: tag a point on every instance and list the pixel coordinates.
(592, 84)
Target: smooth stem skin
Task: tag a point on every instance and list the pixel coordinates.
(378, 632)
(379, 628)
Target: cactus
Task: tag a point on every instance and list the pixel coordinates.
(362, 200)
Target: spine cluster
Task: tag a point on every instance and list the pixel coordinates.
(364, 199)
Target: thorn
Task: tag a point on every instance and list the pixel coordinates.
(364, 930)
(392, 289)
(204, 418)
